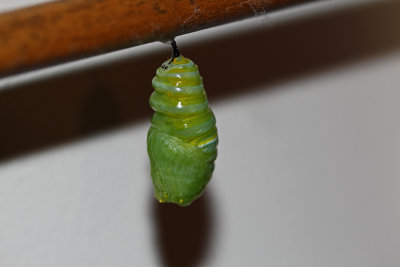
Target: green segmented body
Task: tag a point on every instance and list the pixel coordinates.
(182, 141)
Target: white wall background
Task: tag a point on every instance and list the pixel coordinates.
(308, 173)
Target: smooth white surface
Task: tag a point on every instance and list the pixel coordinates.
(307, 175)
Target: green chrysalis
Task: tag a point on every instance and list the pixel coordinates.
(182, 141)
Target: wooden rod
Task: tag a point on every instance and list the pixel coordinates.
(65, 30)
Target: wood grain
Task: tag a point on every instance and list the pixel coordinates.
(65, 30)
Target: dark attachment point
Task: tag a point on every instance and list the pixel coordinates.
(175, 51)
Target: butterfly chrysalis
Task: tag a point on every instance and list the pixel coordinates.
(182, 140)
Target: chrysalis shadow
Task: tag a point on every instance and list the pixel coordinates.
(182, 234)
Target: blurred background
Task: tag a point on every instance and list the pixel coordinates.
(307, 106)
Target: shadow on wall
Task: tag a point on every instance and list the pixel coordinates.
(61, 109)
(183, 234)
